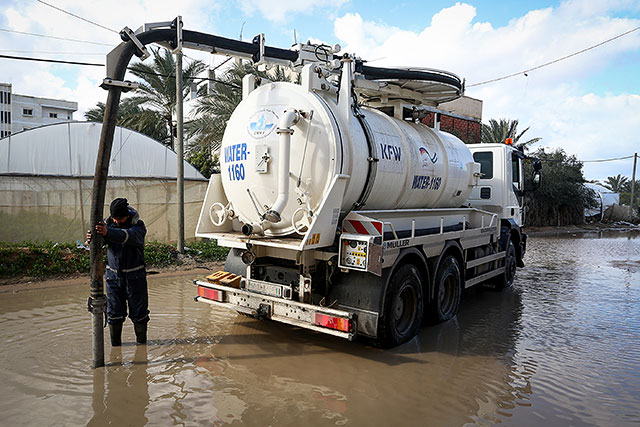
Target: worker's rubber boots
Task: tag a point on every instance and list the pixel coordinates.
(141, 331)
(115, 329)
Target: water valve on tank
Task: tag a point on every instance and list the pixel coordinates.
(262, 158)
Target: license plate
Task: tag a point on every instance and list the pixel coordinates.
(264, 288)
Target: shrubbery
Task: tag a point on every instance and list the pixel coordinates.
(46, 259)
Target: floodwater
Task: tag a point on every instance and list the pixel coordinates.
(560, 348)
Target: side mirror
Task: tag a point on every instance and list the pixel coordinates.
(536, 179)
(537, 165)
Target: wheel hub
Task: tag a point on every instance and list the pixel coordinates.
(405, 307)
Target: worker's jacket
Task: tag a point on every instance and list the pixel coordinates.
(125, 253)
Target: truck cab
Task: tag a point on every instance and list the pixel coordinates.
(500, 189)
(500, 186)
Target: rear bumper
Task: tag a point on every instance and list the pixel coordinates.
(277, 309)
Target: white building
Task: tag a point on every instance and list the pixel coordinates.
(5, 109)
(22, 112)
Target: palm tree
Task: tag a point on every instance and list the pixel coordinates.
(126, 108)
(498, 131)
(158, 89)
(131, 115)
(151, 112)
(626, 187)
(616, 183)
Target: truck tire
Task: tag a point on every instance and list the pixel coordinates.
(507, 278)
(404, 307)
(448, 290)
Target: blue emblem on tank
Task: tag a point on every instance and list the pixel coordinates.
(262, 123)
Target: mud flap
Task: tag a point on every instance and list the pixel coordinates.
(361, 293)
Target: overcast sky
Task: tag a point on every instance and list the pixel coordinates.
(589, 104)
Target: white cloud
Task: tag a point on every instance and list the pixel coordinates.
(367, 36)
(551, 100)
(76, 83)
(278, 11)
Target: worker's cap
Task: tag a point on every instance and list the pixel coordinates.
(119, 208)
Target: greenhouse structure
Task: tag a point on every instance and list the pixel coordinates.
(46, 180)
(605, 199)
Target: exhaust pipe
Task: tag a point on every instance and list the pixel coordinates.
(288, 119)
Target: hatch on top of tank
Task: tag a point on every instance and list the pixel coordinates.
(414, 85)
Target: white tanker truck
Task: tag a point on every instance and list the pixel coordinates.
(345, 215)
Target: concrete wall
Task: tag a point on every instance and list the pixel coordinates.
(41, 208)
(464, 106)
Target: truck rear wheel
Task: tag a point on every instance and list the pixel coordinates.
(448, 289)
(404, 307)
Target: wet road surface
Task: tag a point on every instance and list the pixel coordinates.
(560, 348)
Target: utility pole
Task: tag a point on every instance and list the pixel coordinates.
(180, 143)
(633, 177)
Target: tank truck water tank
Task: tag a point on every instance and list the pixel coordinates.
(402, 164)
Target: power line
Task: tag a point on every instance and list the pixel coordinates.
(607, 160)
(54, 37)
(613, 159)
(55, 61)
(52, 53)
(76, 16)
(556, 60)
(222, 63)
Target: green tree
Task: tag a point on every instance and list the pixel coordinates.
(150, 110)
(626, 187)
(562, 197)
(132, 116)
(204, 162)
(617, 183)
(157, 89)
(497, 131)
(625, 194)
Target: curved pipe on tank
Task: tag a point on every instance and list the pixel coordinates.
(252, 228)
(288, 119)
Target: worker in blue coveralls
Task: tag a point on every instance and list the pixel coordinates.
(125, 274)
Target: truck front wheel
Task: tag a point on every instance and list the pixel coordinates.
(404, 307)
(448, 289)
(506, 279)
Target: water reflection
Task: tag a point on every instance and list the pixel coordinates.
(282, 368)
(121, 390)
(560, 348)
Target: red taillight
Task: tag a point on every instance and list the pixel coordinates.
(332, 322)
(209, 293)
